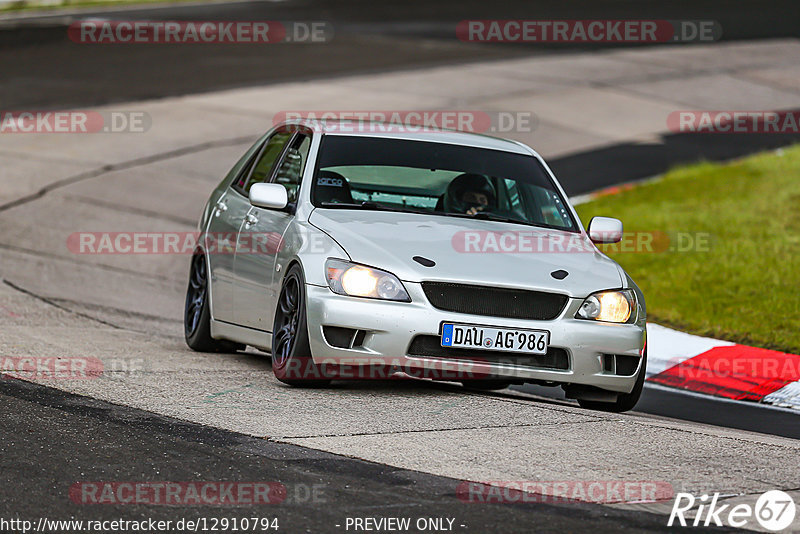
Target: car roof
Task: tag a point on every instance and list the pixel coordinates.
(347, 127)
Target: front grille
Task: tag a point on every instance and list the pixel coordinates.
(495, 302)
(430, 346)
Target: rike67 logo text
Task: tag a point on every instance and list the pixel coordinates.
(774, 511)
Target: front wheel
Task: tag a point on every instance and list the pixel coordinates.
(625, 401)
(291, 352)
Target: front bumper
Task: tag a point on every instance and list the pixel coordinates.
(390, 327)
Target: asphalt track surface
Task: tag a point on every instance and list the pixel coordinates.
(50, 70)
(130, 444)
(674, 404)
(44, 449)
(44, 70)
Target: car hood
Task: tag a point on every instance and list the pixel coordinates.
(470, 251)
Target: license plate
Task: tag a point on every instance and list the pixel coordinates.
(493, 338)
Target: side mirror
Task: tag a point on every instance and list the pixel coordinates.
(272, 196)
(605, 230)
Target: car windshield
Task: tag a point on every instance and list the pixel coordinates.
(438, 179)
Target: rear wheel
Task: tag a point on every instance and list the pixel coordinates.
(625, 401)
(197, 315)
(291, 352)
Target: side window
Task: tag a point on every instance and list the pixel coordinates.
(241, 178)
(242, 166)
(292, 166)
(264, 163)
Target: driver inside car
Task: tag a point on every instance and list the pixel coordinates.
(469, 194)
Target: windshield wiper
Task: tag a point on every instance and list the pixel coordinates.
(487, 217)
(369, 205)
(351, 205)
(499, 218)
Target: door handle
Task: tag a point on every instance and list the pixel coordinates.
(221, 208)
(250, 219)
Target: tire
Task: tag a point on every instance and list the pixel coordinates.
(486, 385)
(291, 352)
(197, 315)
(625, 401)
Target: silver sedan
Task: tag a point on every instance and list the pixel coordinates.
(364, 250)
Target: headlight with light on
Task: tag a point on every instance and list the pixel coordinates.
(608, 306)
(346, 278)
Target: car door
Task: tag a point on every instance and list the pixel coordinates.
(220, 241)
(260, 237)
(226, 220)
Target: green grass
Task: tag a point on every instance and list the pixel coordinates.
(745, 287)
